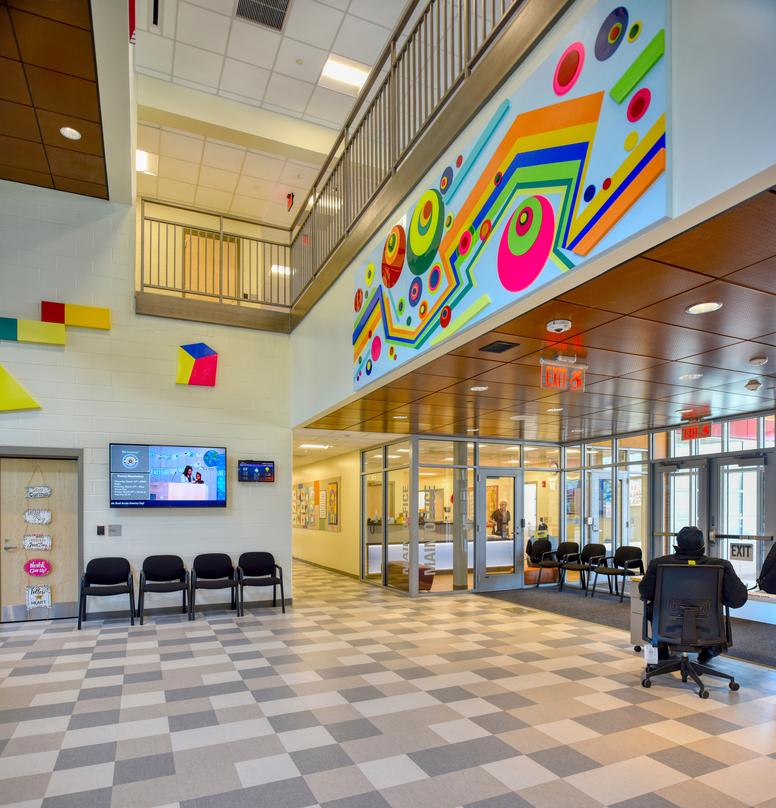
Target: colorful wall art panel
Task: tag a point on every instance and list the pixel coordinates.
(13, 396)
(74, 315)
(555, 170)
(197, 365)
(315, 505)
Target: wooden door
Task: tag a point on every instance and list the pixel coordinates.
(39, 534)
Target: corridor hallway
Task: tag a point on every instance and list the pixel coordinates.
(359, 698)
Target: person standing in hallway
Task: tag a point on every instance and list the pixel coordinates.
(501, 519)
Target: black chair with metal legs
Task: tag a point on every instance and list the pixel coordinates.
(103, 577)
(213, 571)
(260, 569)
(625, 562)
(584, 563)
(687, 615)
(555, 559)
(162, 573)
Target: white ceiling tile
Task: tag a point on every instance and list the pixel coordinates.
(262, 166)
(182, 170)
(247, 206)
(221, 6)
(253, 44)
(313, 23)
(202, 28)
(340, 4)
(148, 138)
(360, 40)
(291, 51)
(213, 200)
(287, 93)
(217, 179)
(243, 79)
(379, 11)
(184, 147)
(176, 191)
(218, 155)
(329, 106)
(255, 188)
(168, 13)
(197, 65)
(147, 185)
(154, 52)
(298, 175)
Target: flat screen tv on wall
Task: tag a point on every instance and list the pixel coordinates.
(143, 476)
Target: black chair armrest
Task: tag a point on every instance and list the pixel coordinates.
(193, 578)
(279, 569)
(549, 553)
(142, 577)
(728, 628)
(84, 581)
(570, 556)
(130, 581)
(645, 625)
(239, 574)
(634, 563)
(596, 561)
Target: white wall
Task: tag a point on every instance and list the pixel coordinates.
(120, 385)
(723, 116)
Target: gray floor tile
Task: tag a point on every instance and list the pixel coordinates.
(143, 768)
(463, 755)
(96, 719)
(85, 756)
(353, 730)
(321, 758)
(206, 718)
(98, 798)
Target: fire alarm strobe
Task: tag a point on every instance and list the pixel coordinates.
(559, 326)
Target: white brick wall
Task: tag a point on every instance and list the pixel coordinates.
(120, 385)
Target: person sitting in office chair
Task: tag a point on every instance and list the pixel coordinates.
(689, 549)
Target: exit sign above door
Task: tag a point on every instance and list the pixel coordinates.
(561, 376)
(695, 431)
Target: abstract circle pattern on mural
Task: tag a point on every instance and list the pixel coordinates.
(639, 104)
(568, 68)
(425, 231)
(446, 179)
(611, 33)
(526, 243)
(358, 301)
(416, 290)
(393, 255)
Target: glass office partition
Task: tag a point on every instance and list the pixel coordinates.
(573, 507)
(599, 507)
(397, 524)
(372, 533)
(633, 506)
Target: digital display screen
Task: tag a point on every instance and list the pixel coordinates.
(143, 476)
(256, 471)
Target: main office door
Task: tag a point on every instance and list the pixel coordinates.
(681, 498)
(498, 550)
(39, 532)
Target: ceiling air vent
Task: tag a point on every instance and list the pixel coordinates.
(271, 13)
(499, 346)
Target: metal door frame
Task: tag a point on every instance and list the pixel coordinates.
(658, 469)
(482, 581)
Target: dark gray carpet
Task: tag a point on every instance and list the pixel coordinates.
(755, 642)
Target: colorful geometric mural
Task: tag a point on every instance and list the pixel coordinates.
(197, 365)
(75, 315)
(570, 163)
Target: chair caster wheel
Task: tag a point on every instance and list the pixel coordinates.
(734, 686)
(704, 694)
(637, 649)
(646, 683)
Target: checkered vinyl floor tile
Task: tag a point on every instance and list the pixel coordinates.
(360, 698)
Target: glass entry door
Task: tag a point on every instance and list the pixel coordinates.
(681, 497)
(498, 556)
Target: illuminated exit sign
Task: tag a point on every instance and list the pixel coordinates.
(695, 431)
(561, 376)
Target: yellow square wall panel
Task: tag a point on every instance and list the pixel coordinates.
(46, 333)
(87, 316)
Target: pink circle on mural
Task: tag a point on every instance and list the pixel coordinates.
(639, 104)
(568, 68)
(523, 253)
(377, 346)
(37, 567)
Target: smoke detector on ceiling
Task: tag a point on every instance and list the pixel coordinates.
(559, 326)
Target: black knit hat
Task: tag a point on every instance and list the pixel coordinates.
(689, 541)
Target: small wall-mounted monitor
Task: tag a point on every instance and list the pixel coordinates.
(143, 476)
(256, 471)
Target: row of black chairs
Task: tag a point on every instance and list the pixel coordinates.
(590, 561)
(168, 573)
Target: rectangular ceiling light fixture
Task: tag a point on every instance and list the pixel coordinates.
(348, 73)
(499, 346)
(146, 163)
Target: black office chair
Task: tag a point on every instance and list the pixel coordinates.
(162, 573)
(260, 569)
(106, 576)
(555, 559)
(536, 550)
(584, 563)
(687, 615)
(625, 562)
(213, 571)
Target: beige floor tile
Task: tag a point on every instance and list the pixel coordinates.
(759, 738)
(567, 731)
(557, 794)
(519, 772)
(723, 751)
(625, 780)
(676, 732)
(528, 740)
(621, 746)
(751, 782)
(693, 793)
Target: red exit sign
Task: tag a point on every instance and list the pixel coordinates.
(563, 377)
(695, 431)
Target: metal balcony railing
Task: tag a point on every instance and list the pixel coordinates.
(209, 257)
(418, 71)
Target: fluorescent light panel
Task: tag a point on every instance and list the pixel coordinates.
(315, 446)
(344, 72)
(146, 163)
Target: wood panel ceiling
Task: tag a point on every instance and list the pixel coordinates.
(649, 361)
(48, 80)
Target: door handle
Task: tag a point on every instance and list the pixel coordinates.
(9, 547)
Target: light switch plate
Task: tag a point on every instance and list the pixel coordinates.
(114, 530)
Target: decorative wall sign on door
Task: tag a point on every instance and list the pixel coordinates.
(38, 567)
(36, 541)
(39, 596)
(38, 491)
(37, 516)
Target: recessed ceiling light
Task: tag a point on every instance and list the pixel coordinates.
(689, 376)
(399, 417)
(758, 361)
(705, 307)
(753, 384)
(345, 72)
(479, 388)
(146, 163)
(69, 133)
(555, 409)
(315, 446)
(394, 457)
(472, 429)
(279, 269)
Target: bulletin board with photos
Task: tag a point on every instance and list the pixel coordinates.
(315, 505)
